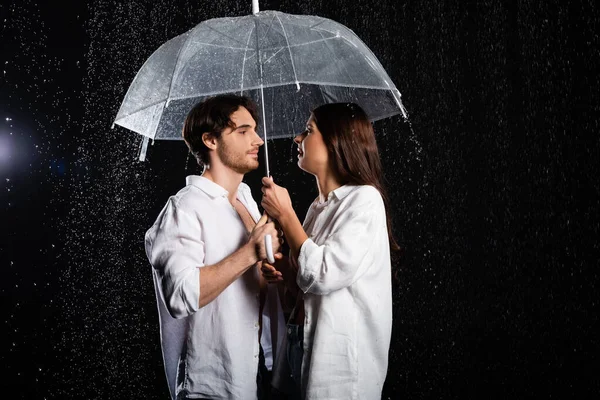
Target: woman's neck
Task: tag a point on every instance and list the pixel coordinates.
(327, 183)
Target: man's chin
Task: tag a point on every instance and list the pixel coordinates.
(247, 168)
(254, 165)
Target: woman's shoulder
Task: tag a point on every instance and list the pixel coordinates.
(366, 191)
(365, 195)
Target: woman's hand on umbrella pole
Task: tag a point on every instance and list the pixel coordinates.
(277, 203)
(276, 199)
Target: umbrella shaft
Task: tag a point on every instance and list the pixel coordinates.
(262, 100)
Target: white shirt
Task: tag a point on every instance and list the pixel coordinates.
(213, 351)
(345, 273)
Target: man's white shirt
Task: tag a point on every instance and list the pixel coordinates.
(211, 351)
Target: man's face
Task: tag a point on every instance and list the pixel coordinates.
(237, 148)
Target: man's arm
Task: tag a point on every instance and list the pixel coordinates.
(216, 278)
(176, 251)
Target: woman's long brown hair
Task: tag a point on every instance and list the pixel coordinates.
(350, 140)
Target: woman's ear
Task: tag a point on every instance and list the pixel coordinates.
(209, 140)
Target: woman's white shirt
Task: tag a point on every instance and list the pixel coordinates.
(345, 273)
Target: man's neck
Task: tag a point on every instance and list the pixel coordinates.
(226, 178)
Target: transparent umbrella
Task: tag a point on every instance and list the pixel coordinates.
(287, 63)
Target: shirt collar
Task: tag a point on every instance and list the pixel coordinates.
(342, 192)
(206, 185)
(213, 189)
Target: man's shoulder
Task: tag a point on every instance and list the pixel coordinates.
(189, 197)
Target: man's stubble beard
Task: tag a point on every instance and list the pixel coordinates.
(235, 162)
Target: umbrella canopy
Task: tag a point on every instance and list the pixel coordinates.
(287, 63)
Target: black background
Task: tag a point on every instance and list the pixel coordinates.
(495, 195)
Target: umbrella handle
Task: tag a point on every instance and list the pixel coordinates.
(268, 238)
(269, 249)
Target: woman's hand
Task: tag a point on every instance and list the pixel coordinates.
(278, 205)
(270, 272)
(284, 270)
(276, 199)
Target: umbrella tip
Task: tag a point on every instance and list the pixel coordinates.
(255, 8)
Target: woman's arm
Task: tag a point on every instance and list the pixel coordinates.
(277, 203)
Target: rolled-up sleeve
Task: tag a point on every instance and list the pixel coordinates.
(341, 259)
(175, 249)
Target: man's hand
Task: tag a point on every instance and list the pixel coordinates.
(257, 237)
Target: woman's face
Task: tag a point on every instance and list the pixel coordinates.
(312, 151)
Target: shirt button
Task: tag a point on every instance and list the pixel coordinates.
(256, 325)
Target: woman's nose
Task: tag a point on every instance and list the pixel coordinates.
(299, 138)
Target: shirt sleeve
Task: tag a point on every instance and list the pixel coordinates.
(343, 257)
(175, 249)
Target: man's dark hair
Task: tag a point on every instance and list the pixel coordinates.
(213, 116)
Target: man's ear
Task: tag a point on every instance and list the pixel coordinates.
(209, 140)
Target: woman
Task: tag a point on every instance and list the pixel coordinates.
(339, 258)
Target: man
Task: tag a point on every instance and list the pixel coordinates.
(220, 323)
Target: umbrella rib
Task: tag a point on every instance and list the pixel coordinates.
(244, 63)
(313, 26)
(304, 44)
(221, 46)
(282, 84)
(175, 66)
(222, 34)
(338, 63)
(277, 52)
(258, 87)
(289, 49)
(141, 109)
(322, 95)
(264, 86)
(268, 30)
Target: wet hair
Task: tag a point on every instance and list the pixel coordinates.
(213, 116)
(350, 140)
